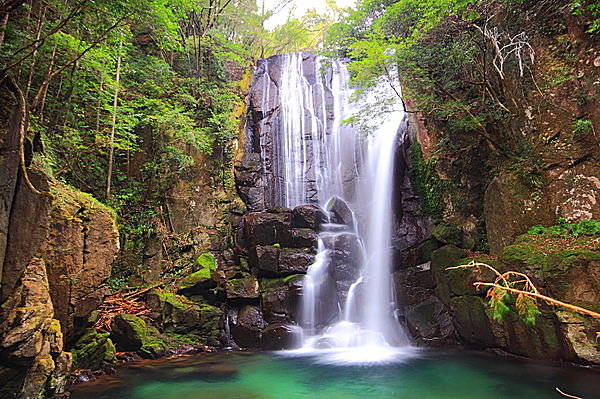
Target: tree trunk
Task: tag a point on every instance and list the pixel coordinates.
(3, 24)
(113, 128)
(38, 34)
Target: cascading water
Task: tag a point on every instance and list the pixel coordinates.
(348, 311)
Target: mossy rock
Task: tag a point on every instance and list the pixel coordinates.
(206, 262)
(179, 315)
(521, 255)
(93, 350)
(448, 233)
(471, 320)
(273, 283)
(450, 282)
(197, 281)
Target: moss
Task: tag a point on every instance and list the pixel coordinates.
(207, 261)
(93, 350)
(191, 280)
(66, 197)
(523, 254)
(166, 297)
(270, 283)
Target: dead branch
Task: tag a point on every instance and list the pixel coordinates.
(118, 303)
(567, 395)
(503, 282)
(545, 298)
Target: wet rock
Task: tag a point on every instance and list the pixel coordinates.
(308, 216)
(247, 331)
(340, 212)
(302, 238)
(280, 298)
(279, 336)
(294, 261)
(264, 258)
(276, 261)
(346, 249)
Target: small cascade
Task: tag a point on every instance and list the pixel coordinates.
(348, 310)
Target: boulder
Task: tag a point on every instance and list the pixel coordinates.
(302, 238)
(132, 333)
(201, 280)
(275, 261)
(177, 314)
(345, 248)
(340, 212)
(308, 216)
(279, 336)
(267, 228)
(247, 330)
(243, 288)
(94, 350)
(264, 258)
(294, 261)
(430, 323)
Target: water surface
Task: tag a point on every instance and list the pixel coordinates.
(244, 375)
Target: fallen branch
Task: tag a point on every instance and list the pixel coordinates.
(567, 395)
(529, 288)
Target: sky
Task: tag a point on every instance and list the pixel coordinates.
(300, 7)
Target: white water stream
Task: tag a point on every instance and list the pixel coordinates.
(324, 159)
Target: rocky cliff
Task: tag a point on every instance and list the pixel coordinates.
(57, 251)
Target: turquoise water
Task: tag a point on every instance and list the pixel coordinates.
(243, 375)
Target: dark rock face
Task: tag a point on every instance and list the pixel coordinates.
(281, 299)
(265, 228)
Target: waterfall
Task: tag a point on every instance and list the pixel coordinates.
(348, 310)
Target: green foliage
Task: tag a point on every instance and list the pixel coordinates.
(498, 304)
(563, 229)
(582, 127)
(591, 8)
